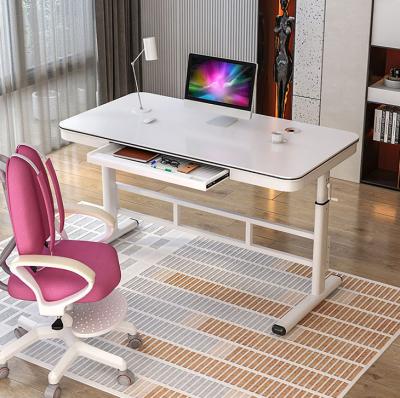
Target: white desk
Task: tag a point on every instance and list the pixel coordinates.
(244, 148)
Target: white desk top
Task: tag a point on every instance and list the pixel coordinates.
(182, 131)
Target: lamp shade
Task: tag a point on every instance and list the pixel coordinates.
(150, 48)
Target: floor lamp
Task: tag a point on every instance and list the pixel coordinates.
(150, 54)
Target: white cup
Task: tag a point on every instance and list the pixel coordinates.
(278, 137)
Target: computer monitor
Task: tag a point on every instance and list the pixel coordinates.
(225, 86)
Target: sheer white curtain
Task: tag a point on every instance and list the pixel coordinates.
(47, 69)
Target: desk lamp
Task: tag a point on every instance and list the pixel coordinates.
(150, 54)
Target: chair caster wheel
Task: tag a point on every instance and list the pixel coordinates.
(19, 332)
(4, 371)
(52, 391)
(125, 378)
(134, 341)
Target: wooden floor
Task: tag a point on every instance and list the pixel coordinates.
(365, 241)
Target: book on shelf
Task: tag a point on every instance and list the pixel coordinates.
(387, 124)
(377, 124)
(393, 138)
(388, 132)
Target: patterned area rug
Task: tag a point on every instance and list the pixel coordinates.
(205, 307)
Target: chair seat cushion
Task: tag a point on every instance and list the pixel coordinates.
(57, 284)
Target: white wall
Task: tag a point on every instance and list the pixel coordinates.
(331, 66)
(223, 28)
(385, 29)
(345, 69)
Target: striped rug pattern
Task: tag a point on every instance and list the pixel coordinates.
(205, 307)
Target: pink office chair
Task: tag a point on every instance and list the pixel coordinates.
(74, 281)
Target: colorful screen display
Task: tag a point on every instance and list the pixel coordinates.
(220, 81)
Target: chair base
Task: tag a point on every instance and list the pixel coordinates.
(30, 330)
(75, 348)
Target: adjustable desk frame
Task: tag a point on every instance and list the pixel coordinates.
(322, 286)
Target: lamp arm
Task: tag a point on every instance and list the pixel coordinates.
(134, 76)
(138, 56)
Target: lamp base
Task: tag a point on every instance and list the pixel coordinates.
(139, 111)
(222, 121)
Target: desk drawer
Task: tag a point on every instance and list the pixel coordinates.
(202, 178)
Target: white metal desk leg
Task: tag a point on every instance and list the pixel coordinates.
(321, 287)
(110, 192)
(110, 203)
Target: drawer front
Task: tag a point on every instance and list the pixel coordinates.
(202, 178)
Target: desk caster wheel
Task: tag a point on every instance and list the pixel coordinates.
(52, 391)
(126, 378)
(4, 371)
(19, 332)
(134, 341)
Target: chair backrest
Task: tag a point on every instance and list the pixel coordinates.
(7, 250)
(30, 201)
(45, 166)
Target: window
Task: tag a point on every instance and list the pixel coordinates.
(42, 38)
(47, 69)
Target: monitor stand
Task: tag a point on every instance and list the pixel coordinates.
(222, 121)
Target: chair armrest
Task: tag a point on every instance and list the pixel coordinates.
(52, 308)
(96, 212)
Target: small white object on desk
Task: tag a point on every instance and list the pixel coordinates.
(278, 137)
(148, 120)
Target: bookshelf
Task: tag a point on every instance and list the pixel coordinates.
(381, 160)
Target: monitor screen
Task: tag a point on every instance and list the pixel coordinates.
(220, 81)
